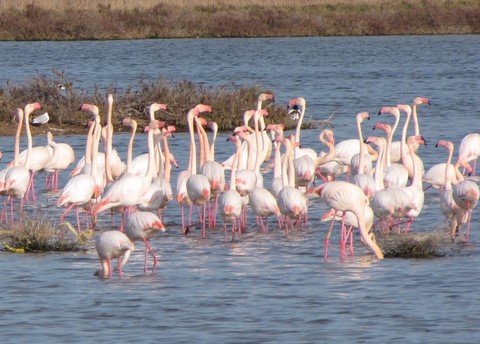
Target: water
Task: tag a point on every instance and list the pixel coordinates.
(260, 288)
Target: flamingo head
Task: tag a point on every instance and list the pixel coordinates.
(247, 115)
(329, 135)
(90, 107)
(361, 116)
(202, 108)
(383, 126)
(445, 143)
(29, 108)
(262, 97)
(421, 100)
(389, 110)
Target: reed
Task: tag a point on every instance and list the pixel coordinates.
(81, 20)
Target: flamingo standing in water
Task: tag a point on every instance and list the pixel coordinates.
(469, 150)
(291, 201)
(111, 245)
(197, 185)
(63, 156)
(465, 194)
(343, 196)
(83, 187)
(144, 225)
(17, 178)
(3, 190)
(230, 202)
(127, 191)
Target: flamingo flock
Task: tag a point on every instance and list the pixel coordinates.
(370, 183)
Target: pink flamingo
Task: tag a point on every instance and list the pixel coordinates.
(291, 201)
(17, 178)
(343, 196)
(230, 201)
(82, 188)
(63, 156)
(197, 185)
(126, 191)
(144, 225)
(110, 245)
(465, 194)
(469, 150)
(3, 191)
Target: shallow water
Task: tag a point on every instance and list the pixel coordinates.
(259, 288)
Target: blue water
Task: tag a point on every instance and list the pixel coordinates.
(269, 288)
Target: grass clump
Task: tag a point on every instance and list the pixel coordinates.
(436, 243)
(229, 102)
(37, 235)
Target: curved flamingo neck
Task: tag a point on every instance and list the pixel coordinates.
(331, 149)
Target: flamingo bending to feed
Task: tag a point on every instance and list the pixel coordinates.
(343, 196)
(144, 225)
(465, 194)
(110, 245)
(469, 150)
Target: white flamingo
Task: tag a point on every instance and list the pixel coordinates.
(144, 225)
(111, 245)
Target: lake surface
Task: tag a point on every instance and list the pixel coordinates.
(260, 288)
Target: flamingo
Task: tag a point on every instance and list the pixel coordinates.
(395, 146)
(81, 188)
(276, 184)
(349, 219)
(210, 168)
(261, 99)
(447, 204)
(63, 156)
(387, 203)
(17, 178)
(39, 158)
(296, 110)
(344, 196)
(197, 185)
(465, 194)
(110, 245)
(114, 166)
(396, 174)
(127, 191)
(291, 201)
(361, 163)
(3, 190)
(144, 225)
(469, 150)
(230, 201)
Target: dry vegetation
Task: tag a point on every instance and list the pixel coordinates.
(228, 102)
(74, 20)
